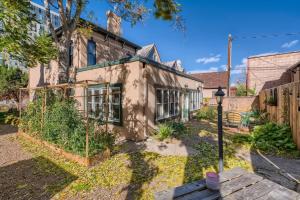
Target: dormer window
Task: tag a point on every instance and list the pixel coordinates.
(91, 52)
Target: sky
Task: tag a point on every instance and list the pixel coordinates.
(203, 46)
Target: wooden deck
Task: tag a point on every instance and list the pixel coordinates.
(235, 184)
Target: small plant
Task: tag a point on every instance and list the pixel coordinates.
(207, 112)
(164, 131)
(271, 101)
(12, 120)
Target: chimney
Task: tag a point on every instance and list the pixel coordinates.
(113, 23)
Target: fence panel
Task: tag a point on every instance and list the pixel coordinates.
(283, 106)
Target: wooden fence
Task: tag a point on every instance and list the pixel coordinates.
(283, 105)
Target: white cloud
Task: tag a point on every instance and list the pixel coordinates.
(223, 67)
(211, 69)
(240, 68)
(211, 59)
(290, 44)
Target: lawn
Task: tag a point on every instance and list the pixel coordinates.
(135, 174)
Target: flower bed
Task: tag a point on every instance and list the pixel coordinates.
(86, 161)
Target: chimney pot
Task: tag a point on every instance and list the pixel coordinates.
(113, 23)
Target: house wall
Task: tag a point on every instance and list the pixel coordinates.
(208, 93)
(270, 71)
(107, 49)
(139, 83)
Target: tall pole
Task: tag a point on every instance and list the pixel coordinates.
(220, 138)
(229, 63)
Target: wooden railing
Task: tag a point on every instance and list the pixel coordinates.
(283, 105)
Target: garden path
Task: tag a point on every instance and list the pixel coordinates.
(24, 176)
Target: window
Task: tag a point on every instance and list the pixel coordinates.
(194, 99)
(91, 52)
(167, 103)
(101, 102)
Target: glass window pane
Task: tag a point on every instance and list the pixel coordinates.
(159, 111)
(166, 110)
(116, 95)
(97, 95)
(166, 96)
(158, 96)
(116, 112)
(172, 109)
(171, 96)
(89, 95)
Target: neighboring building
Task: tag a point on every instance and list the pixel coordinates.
(36, 28)
(143, 90)
(267, 71)
(294, 71)
(212, 81)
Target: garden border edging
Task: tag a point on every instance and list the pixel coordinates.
(70, 156)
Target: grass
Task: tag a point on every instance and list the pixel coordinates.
(139, 173)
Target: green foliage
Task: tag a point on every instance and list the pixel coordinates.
(164, 131)
(171, 129)
(11, 79)
(12, 120)
(62, 124)
(273, 137)
(271, 101)
(241, 90)
(16, 18)
(207, 112)
(270, 138)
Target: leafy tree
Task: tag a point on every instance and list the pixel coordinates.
(15, 20)
(241, 90)
(130, 10)
(11, 80)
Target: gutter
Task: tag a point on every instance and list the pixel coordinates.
(141, 59)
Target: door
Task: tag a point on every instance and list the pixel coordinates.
(185, 107)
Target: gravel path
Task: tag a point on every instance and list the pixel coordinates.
(24, 176)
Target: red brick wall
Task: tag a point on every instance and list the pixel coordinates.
(270, 71)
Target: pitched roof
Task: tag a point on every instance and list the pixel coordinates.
(149, 51)
(213, 79)
(101, 30)
(176, 64)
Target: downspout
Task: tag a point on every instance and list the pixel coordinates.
(145, 101)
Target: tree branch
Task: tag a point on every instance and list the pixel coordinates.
(79, 7)
(48, 21)
(62, 13)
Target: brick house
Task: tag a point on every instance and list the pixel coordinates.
(267, 71)
(212, 81)
(143, 91)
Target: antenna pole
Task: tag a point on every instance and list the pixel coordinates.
(229, 63)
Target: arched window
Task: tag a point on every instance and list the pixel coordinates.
(91, 52)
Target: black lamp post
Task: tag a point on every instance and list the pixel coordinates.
(219, 96)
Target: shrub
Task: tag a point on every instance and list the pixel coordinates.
(270, 138)
(12, 120)
(164, 131)
(207, 112)
(64, 126)
(273, 137)
(171, 129)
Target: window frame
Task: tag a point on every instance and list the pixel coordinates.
(101, 88)
(160, 113)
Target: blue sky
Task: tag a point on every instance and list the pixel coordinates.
(203, 47)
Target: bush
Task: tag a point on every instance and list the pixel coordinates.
(164, 131)
(207, 112)
(64, 126)
(171, 129)
(270, 138)
(273, 137)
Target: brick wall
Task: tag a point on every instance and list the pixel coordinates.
(240, 104)
(270, 70)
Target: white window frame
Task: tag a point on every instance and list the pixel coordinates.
(93, 103)
(159, 107)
